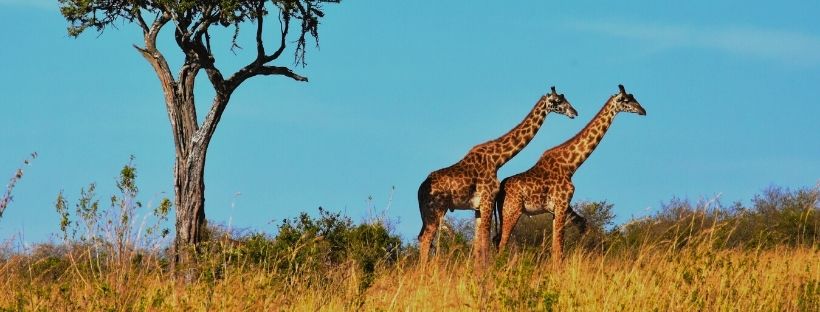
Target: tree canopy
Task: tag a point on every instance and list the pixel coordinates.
(193, 18)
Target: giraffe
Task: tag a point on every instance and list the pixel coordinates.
(547, 186)
(471, 183)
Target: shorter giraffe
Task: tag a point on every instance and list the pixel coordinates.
(472, 183)
(547, 186)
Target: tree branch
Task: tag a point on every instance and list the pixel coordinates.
(201, 27)
(185, 91)
(260, 45)
(223, 95)
(278, 70)
(198, 44)
(250, 71)
(206, 60)
(258, 67)
(179, 115)
(141, 21)
(159, 21)
(205, 133)
(151, 53)
(284, 25)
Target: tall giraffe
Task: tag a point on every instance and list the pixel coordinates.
(547, 186)
(471, 183)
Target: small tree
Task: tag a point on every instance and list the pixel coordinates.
(192, 21)
(6, 198)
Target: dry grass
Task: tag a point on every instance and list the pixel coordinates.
(689, 279)
(686, 258)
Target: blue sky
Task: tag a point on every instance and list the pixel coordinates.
(398, 90)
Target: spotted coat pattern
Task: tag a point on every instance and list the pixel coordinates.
(472, 183)
(547, 186)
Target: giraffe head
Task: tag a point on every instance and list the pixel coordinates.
(559, 104)
(625, 102)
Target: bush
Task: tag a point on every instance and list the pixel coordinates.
(313, 243)
(536, 231)
(306, 247)
(99, 241)
(776, 217)
(455, 236)
(114, 230)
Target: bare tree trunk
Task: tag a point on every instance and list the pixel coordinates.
(189, 189)
(191, 142)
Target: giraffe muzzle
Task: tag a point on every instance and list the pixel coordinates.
(572, 113)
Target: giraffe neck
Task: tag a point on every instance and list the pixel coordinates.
(580, 146)
(501, 150)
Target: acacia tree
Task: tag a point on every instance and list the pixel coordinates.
(192, 21)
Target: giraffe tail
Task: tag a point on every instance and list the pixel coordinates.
(424, 198)
(499, 205)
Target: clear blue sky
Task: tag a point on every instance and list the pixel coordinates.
(401, 88)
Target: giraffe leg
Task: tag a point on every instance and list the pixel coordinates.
(558, 223)
(431, 215)
(482, 233)
(510, 213)
(483, 222)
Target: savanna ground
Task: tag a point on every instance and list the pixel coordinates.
(689, 256)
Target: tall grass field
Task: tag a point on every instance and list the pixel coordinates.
(689, 256)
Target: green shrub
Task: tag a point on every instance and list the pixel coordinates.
(536, 231)
(309, 243)
(454, 236)
(306, 247)
(776, 217)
